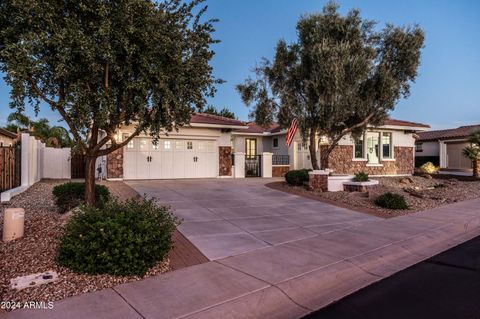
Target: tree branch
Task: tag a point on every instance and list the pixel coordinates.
(59, 108)
(120, 145)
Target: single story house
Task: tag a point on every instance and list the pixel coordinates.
(7, 138)
(213, 146)
(444, 147)
(384, 150)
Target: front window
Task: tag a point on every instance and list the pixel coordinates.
(250, 147)
(387, 145)
(124, 138)
(418, 147)
(275, 142)
(359, 147)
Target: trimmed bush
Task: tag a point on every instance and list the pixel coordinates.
(360, 177)
(70, 195)
(119, 239)
(429, 168)
(297, 177)
(391, 201)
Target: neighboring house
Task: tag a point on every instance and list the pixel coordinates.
(384, 150)
(444, 147)
(205, 148)
(7, 138)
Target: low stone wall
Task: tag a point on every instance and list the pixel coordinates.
(341, 162)
(318, 180)
(280, 170)
(363, 187)
(115, 164)
(225, 160)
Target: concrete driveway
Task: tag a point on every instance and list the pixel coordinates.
(277, 255)
(225, 217)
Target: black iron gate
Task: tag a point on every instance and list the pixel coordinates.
(253, 166)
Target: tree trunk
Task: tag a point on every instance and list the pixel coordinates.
(476, 168)
(313, 148)
(90, 180)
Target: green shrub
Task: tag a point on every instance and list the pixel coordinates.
(391, 201)
(70, 195)
(360, 177)
(119, 239)
(429, 168)
(297, 177)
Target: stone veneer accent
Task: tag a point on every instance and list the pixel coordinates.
(318, 181)
(280, 171)
(225, 160)
(115, 164)
(340, 161)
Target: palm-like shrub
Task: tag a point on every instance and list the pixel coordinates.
(472, 152)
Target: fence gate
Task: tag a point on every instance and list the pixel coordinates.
(253, 166)
(10, 166)
(78, 166)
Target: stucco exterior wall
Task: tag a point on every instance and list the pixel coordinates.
(429, 149)
(5, 140)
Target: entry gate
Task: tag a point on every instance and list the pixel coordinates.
(253, 166)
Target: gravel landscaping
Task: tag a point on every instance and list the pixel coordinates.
(420, 193)
(36, 252)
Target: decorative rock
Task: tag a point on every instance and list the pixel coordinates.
(34, 280)
(406, 180)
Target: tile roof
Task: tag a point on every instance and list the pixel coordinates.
(7, 133)
(404, 123)
(203, 118)
(456, 133)
(254, 128)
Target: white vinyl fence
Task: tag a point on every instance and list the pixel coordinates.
(39, 161)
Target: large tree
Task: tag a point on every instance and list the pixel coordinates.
(225, 112)
(103, 64)
(339, 76)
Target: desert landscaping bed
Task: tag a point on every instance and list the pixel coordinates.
(36, 252)
(420, 193)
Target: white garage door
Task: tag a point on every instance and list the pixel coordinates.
(456, 160)
(170, 158)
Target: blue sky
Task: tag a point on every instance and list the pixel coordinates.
(447, 90)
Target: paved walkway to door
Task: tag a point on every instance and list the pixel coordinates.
(275, 255)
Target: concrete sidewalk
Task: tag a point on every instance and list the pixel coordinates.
(287, 280)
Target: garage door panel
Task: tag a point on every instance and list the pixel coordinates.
(456, 160)
(171, 158)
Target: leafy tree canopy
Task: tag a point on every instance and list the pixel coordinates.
(104, 64)
(339, 76)
(225, 112)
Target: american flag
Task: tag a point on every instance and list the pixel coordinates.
(291, 131)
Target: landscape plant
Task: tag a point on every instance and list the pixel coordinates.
(119, 239)
(391, 201)
(106, 64)
(340, 75)
(360, 177)
(472, 152)
(72, 194)
(297, 177)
